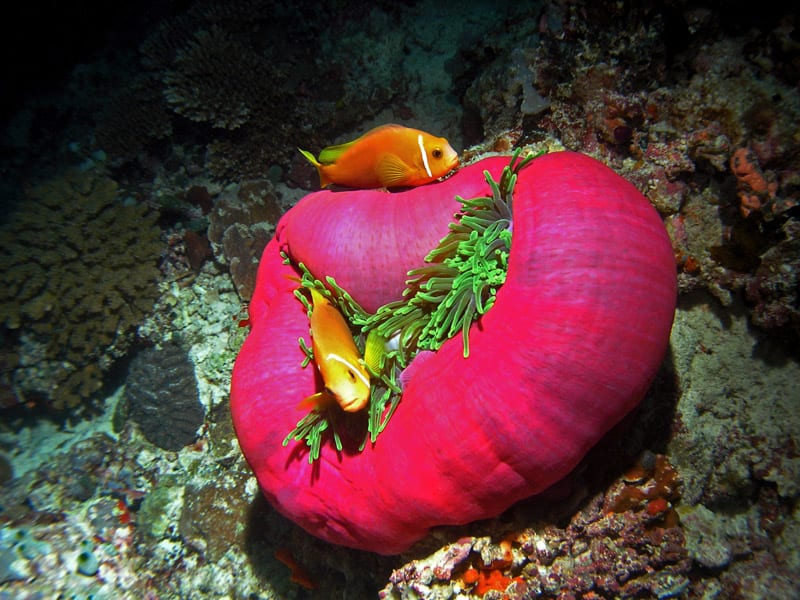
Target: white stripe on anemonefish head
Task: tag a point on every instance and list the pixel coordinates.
(350, 366)
(424, 155)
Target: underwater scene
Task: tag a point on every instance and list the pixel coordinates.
(400, 300)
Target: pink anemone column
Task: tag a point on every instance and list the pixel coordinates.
(571, 345)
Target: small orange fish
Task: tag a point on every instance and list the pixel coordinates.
(337, 358)
(298, 574)
(387, 156)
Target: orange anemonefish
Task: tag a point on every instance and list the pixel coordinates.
(387, 156)
(338, 360)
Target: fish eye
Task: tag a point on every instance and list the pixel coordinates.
(436, 153)
(352, 375)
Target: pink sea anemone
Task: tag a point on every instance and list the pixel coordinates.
(570, 346)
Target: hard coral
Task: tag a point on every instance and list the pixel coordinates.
(161, 392)
(470, 436)
(78, 271)
(597, 554)
(217, 80)
(134, 118)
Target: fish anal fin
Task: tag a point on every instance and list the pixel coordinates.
(392, 170)
(324, 179)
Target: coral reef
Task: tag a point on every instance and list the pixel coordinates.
(734, 446)
(161, 396)
(696, 104)
(751, 416)
(716, 152)
(246, 70)
(78, 272)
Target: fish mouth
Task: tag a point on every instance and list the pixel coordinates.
(353, 405)
(453, 160)
(451, 168)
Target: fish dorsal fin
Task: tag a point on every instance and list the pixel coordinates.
(331, 154)
(392, 170)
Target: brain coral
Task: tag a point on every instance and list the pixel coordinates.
(576, 335)
(161, 391)
(78, 270)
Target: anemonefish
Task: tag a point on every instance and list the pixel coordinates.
(339, 362)
(384, 157)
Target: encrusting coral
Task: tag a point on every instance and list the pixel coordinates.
(240, 227)
(78, 271)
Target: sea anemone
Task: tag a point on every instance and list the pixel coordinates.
(563, 350)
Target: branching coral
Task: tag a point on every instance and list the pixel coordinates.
(134, 118)
(217, 80)
(78, 271)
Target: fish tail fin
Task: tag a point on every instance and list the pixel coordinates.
(294, 278)
(310, 157)
(323, 179)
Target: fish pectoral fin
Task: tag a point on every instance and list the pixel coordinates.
(392, 170)
(317, 401)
